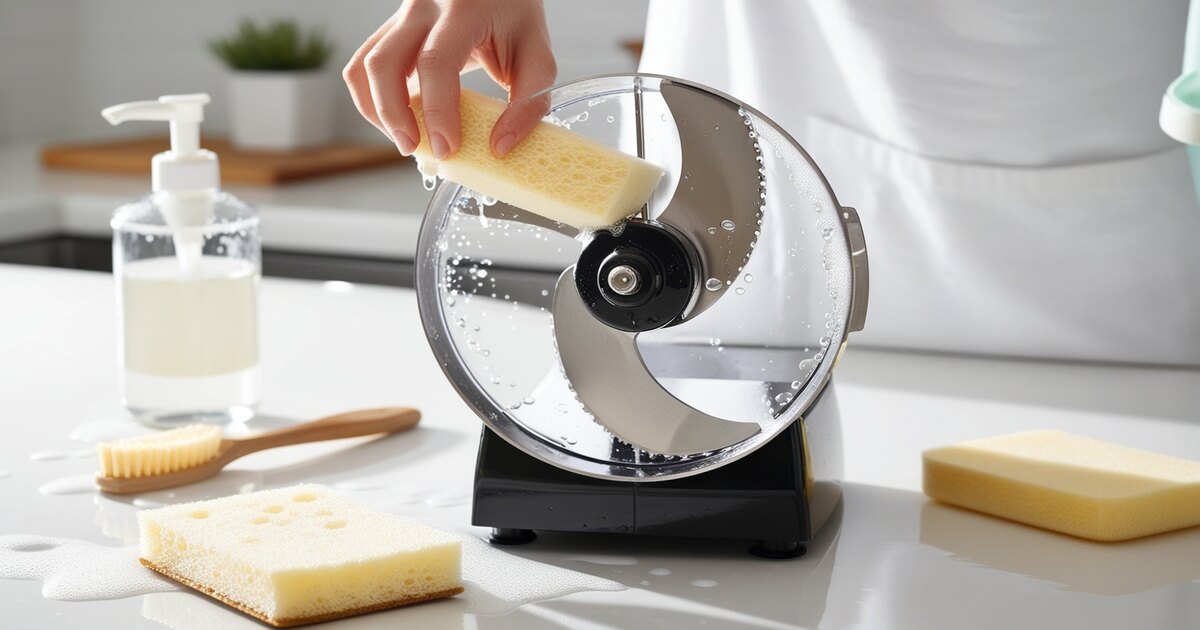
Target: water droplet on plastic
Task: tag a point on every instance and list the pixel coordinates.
(429, 182)
(728, 225)
(714, 341)
(528, 400)
(712, 230)
(610, 119)
(712, 284)
(545, 293)
(739, 291)
(783, 398)
(749, 278)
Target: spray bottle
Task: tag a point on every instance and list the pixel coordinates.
(187, 261)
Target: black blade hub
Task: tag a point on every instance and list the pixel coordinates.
(640, 279)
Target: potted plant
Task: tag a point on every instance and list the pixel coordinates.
(279, 97)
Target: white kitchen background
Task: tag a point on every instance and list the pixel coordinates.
(61, 61)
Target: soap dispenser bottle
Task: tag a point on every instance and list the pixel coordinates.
(187, 263)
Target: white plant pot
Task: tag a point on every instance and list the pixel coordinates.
(278, 111)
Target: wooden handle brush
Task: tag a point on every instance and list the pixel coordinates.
(195, 452)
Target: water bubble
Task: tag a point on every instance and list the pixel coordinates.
(460, 322)
(528, 400)
(495, 380)
(714, 341)
(796, 384)
(739, 291)
(783, 398)
(429, 182)
(450, 301)
(712, 230)
(728, 225)
(482, 273)
(749, 278)
(545, 293)
(610, 118)
(712, 284)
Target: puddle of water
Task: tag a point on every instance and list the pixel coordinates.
(621, 561)
(77, 484)
(48, 456)
(75, 570)
(448, 500)
(360, 484)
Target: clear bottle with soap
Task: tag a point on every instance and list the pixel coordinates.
(187, 261)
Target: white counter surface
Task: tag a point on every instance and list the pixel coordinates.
(895, 560)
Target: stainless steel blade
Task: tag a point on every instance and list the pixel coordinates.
(504, 212)
(716, 203)
(608, 375)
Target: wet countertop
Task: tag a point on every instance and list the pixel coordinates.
(891, 559)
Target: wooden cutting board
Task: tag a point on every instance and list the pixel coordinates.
(132, 157)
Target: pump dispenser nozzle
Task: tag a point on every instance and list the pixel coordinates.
(184, 179)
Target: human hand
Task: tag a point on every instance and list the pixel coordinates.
(437, 40)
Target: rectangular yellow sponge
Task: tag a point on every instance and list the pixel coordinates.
(1068, 483)
(299, 555)
(553, 172)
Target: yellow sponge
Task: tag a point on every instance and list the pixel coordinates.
(1068, 483)
(553, 172)
(299, 555)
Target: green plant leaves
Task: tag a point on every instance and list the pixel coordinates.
(278, 45)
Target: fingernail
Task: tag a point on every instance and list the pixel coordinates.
(505, 144)
(441, 148)
(404, 142)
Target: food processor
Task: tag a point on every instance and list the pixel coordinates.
(670, 375)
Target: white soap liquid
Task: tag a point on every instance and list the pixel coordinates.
(190, 339)
(75, 570)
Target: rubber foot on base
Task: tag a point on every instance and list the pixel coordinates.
(506, 536)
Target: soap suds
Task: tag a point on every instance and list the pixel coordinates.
(75, 570)
(491, 590)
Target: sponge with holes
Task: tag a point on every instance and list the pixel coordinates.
(299, 555)
(553, 172)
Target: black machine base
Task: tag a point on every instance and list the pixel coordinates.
(761, 498)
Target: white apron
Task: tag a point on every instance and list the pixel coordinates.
(1017, 195)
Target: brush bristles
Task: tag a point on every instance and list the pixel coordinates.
(159, 453)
